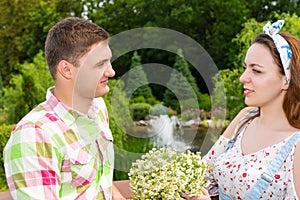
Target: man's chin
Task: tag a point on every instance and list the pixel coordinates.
(101, 94)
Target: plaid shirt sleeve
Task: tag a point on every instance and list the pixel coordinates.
(56, 153)
(31, 164)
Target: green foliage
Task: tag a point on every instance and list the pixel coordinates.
(1, 84)
(26, 90)
(120, 138)
(141, 99)
(192, 114)
(205, 102)
(227, 82)
(182, 85)
(118, 132)
(230, 77)
(119, 117)
(137, 80)
(213, 24)
(139, 111)
(225, 21)
(24, 26)
(119, 103)
(135, 145)
(5, 131)
(153, 101)
(158, 109)
(243, 40)
(264, 9)
(252, 28)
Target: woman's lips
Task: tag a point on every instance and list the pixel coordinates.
(247, 91)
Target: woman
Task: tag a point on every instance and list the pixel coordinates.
(272, 85)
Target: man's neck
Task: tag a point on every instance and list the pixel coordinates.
(73, 100)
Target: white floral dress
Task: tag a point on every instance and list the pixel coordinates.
(235, 173)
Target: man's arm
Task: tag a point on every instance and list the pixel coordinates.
(31, 164)
(116, 193)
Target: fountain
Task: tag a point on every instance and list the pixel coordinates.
(167, 133)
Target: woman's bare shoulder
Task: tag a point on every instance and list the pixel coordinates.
(228, 133)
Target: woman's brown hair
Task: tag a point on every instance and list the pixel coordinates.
(291, 102)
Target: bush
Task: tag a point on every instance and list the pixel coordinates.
(142, 99)
(158, 109)
(5, 131)
(139, 111)
(25, 90)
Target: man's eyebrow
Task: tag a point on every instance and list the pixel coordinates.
(102, 61)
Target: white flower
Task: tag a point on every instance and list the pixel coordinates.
(163, 173)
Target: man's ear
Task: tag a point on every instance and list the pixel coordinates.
(64, 69)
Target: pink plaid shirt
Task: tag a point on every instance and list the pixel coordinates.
(55, 152)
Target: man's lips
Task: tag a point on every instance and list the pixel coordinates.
(104, 81)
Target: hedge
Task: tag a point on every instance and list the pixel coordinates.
(5, 131)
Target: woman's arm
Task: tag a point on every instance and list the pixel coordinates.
(296, 170)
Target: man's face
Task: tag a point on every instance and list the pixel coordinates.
(94, 71)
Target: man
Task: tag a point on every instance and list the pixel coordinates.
(63, 148)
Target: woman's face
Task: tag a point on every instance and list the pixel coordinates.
(263, 84)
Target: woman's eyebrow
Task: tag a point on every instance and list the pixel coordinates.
(254, 64)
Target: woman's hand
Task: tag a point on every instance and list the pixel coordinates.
(203, 196)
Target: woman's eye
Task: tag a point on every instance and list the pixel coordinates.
(256, 71)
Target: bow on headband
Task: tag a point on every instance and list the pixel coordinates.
(283, 47)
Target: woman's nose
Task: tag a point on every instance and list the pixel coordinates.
(244, 78)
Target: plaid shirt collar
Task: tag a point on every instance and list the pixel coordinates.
(69, 115)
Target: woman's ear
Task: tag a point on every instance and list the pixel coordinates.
(285, 85)
(64, 69)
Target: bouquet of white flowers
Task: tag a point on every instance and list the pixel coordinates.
(163, 173)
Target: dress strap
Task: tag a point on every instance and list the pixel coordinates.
(240, 127)
(267, 177)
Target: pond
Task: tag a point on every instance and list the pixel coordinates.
(194, 136)
(191, 136)
(140, 140)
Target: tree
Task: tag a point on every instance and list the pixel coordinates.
(26, 90)
(24, 26)
(181, 85)
(227, 82)
(230, 77)
(224, 20)
(137, 82)
(1, 84)
(262, 10)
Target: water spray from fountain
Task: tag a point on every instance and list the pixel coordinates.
(167, 132)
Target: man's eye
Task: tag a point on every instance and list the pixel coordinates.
(100, 64)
